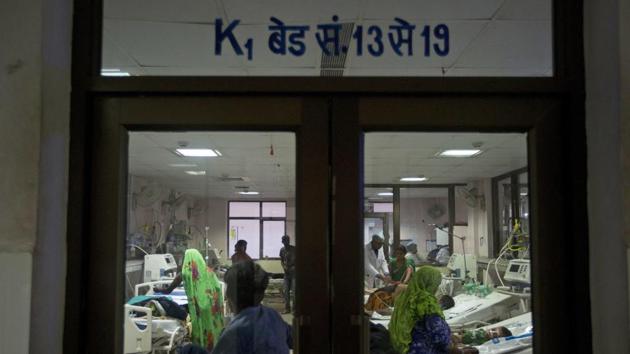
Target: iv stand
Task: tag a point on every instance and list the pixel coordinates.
(461, 238)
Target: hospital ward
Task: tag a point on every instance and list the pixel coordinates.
(212, 252)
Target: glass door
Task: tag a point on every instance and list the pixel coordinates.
(186, 193)
(436, 159)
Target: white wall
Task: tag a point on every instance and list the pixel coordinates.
(608, 250)
(14, 307)
(20, 115)
(415, 220)
(480, 222)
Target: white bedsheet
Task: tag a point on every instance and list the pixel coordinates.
(470, 308)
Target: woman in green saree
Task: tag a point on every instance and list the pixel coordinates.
(205, 300)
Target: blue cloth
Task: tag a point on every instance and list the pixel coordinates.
(431, 335)
(255, 330)
(192, 349)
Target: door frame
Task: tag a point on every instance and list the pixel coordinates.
(103, 243)
(557, 184)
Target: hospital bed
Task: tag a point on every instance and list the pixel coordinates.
(471, 309)
(521, 341)
(148, 334)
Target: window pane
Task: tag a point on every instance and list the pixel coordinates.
(383, 207)
(248, 230)
(244, 209)
(378, 216)
(272, 238)
(204, 199)
(430, 182)
(236, 38)
(275, 210)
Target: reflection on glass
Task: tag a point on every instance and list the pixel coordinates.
(450, 209)
(192, 220)
(524, 201)
(505, 209)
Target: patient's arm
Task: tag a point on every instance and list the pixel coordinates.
(175, 283)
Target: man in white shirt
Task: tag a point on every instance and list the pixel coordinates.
(375, 264)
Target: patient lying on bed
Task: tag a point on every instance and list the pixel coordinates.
(479, 336)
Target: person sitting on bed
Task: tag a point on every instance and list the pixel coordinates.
(417, 325)
(255, 328)
(205, 302)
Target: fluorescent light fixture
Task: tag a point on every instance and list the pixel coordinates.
(414, 179)
(459, 153)
(386, 194)
(196, 152)
(113, 72)
(182, 165)
(248, 193)
(524, 194)
(196, 173)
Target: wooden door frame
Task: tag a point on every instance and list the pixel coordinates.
(558, 212)
(103, 243)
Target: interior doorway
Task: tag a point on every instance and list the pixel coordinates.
(332, 217)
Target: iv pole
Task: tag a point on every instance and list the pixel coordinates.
(461, 238)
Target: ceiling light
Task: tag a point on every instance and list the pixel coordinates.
(182, 165)
(524, 194)
(113, 72)
(196, 173)
(459, 153)
(196, 152)
(414, 179)
(218, 153)
(248, 193)
(386, 194)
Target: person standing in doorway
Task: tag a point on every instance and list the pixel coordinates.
(287, 258)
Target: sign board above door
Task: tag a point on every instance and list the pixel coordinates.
(397, 38)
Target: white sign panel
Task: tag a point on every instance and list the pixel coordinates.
(328, 38)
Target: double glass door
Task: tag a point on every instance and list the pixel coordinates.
(245, 177)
